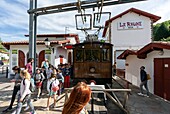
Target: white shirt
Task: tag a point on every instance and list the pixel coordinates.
(24, 89)
(57, 62)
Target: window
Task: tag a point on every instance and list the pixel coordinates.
(105, 55)
(92, 55)
(79, 55)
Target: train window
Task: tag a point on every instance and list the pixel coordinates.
(92, 55)
(79, 55)
(105, 55)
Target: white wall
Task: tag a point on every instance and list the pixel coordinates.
(25, 49)
(49, 38)
(120, 63)
(4, 56)
(72, 39)
(132, 73)
(131, 37)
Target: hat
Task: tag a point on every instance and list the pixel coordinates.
(142, 67)
(15, 68)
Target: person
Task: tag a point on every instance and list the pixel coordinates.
(67, 73)
(60, 60)
(49, 71)
(44, 83)
(45, 64)
(143, 77)
(1, 63)
(79, 97)
(17, 81)
(60, 78)
(114, 69)
(25, 93)
(39, 77)
(52, 91)
(28, 66)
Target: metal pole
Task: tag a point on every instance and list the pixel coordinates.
(6, 72)
(35, 37)
(31, 39)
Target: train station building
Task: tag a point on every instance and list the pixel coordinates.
(59, 45)
(155, 57)
(131, 29)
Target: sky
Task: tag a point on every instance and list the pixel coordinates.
(14, 19)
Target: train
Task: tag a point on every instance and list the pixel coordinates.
(93, 61)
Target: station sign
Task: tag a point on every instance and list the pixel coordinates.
(130, 25)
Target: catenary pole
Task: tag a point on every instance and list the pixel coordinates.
(35, 38)
(31, 21)
(32, 34)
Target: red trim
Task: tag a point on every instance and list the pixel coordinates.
(7, 44)
(154, 18)
(142, 53)
(126, 53)
(69, 46)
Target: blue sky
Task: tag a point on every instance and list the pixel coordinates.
(14, 18)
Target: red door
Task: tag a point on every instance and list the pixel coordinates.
(41, 57)
(21, 59)
(166, 67)
(162, 77)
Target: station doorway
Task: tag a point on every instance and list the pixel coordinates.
(162, 77)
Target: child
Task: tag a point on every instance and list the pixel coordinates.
(39, 77)
(25, 93)
(49, 71)
(51, 89)
(61, 80)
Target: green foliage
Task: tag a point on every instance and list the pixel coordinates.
(156, 28)
(161, 31)
(2, 48)
(166, 39)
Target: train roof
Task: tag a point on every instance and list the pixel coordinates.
(94, 42)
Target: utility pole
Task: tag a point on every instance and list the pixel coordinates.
(35, 38)
(31, 23)
(32, 33)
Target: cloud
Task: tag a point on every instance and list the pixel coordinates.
(14, 19)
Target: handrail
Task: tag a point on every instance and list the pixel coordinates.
(3, 69)
(105, 90)
(127, 82)
(115, 100)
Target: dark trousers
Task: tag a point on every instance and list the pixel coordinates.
(16, 89)
(44, 84)
(144, 83)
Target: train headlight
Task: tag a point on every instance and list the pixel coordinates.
(92, 69)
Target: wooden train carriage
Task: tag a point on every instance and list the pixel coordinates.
(93, 61)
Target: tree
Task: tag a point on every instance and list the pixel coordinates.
(166, 39)
(2, 48)
(162, 31)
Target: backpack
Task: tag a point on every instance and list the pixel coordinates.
(54, 85)
(32, 86)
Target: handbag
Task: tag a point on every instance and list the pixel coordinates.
(148, 77)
